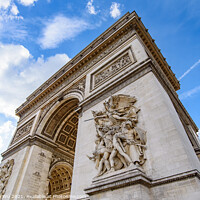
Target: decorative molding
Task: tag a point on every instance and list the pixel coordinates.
(176, 177)
(28, 107)
(60, 179)
(132, 75)
(94, 51)
(5, 173)
(134, 176)
(23, 130)
(57, 117)
(68, 133)
(120, 179)
(60, 158)
(41, 142)
(79, 87)
(119, 63)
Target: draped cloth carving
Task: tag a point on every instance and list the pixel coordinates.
(119, 142)
(5, 172)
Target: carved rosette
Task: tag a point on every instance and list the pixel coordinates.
(5, 173)
(119, 142)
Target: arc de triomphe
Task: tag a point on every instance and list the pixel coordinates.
(108, 125)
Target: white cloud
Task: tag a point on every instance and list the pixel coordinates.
(9, 19)
(5, 4)
(189, 93)
(198, 133)
(91, 8)
(59, 29)
(22, 74)
(8, 11)
(7, 129)
(1, 143)
(12, 55)
(14, 10)
(13, 29)
(115, 10)
(27, 2)
(191, 68)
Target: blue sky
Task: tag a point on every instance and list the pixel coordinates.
(37, 37)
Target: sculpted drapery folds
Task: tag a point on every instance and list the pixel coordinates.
(119, 142)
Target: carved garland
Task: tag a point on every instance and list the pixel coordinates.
(119, 142)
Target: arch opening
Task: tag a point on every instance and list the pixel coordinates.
(60, 179)
(61, 128)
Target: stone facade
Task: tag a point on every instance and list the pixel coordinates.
(108, 125)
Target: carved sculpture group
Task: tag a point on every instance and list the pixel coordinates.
(119, 142)
(5, 172)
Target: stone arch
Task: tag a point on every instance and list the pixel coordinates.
(56, 116)
(60, 125)
(50, 108)
(60, 179)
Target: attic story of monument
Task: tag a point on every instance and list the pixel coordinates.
(108, 125)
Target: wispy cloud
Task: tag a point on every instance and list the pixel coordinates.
(91, 8)
(115, 10)
(191, 68)
(13, 29)
(8, 10)
(5, 4)
(61, 28)
(189, 93)
(14, 10)
(10, 21)
(27, 2)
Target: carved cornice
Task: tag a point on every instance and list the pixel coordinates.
(124, 179)
(113, 37)
(155, 51)
(118, 180)
(176, 177)
(38, 141)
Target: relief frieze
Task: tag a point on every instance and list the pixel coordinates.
(119, 142)
(23, 131)
(110, 69)
(73, 75)
(5, 173)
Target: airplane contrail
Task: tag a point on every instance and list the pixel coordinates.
(191, 68)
